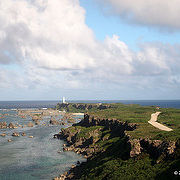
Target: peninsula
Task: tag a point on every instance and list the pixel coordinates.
(118, 141)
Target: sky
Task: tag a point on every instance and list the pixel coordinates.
(89, 50)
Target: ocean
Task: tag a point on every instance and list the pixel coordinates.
(37, 158)
(40, 157)
(52, 104)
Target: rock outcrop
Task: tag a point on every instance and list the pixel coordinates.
(16, 134)
(3, 134)
(3, 125)
(23, 134)
(90, 106)
(157, 147)
(12, 126)
(54, 121)
(35, 117)
(82, 106)
(30, 124)
(115, 125)
(37, 122)
(80, 145)
(85, 145)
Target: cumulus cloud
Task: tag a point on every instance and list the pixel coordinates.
(156, 13)
(51, 34)
(55, 49)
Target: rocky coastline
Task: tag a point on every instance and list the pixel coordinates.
(92, 130)
(36, 118)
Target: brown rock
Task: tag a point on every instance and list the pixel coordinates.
(9, 140)
(171, 148)
(56, 178)
(23, 134)
(135, 147)
(35, 118)
(37, 122)
(3, 125)
(3, 134)
(16, 134)
(54, 122)
(30, 124)
(12, 126)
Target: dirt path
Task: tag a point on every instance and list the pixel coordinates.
(153, 122)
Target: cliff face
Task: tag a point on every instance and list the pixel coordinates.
(112, 124)
(86, 144)
(90, 106)
(157, 149)
(81, 145)
(83, 107)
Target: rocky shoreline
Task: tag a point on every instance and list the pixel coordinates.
(92, 130)
(36, 118)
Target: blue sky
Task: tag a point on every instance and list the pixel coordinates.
(95, 49)
(104, 25)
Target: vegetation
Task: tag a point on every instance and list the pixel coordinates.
(113, 161)
(80, 107)
(133, 113)
(83, 131)
(112, 164)
(141, 115)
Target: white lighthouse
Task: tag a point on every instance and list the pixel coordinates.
(63, 100)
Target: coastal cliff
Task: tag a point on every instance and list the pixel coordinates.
(81, 107)
(83, 136)
(97, 138)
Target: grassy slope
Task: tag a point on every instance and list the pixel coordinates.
(113, 162)
(141, 115)
(110, 165)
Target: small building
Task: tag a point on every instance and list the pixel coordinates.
(63, 100)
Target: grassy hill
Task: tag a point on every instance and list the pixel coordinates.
(112, 159)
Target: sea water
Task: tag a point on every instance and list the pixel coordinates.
(33, 158)
(52, 104)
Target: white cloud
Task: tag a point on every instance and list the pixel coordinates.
(51, 34)
(156, 13)
(55, 49)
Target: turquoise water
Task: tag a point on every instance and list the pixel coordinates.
(33, 158)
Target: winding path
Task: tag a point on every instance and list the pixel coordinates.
(153, 122)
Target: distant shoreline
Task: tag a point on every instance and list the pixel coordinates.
(52, 104)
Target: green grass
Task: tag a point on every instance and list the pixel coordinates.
(113, 162)
(170, 117)
(83, 131)
(131, 113)
(141, 115)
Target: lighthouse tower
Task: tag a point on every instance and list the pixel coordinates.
(63, 100)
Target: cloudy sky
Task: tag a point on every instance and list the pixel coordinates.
(95, 49)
